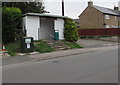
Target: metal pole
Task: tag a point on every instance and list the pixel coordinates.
(62, 7)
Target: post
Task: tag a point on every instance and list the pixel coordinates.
(62, 7)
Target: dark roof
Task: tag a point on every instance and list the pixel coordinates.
(76, 20)
(44, 15)
(107, 10)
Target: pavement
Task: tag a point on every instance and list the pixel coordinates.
(89, 45)
(95, 43)
(44, 56)
(111, 39)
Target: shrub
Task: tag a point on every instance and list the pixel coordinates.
(70, 30)
(11, 19)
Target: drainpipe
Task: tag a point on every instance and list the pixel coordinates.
(62, 7)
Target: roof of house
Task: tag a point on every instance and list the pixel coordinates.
(106, 10)
(76, 20)
(44, 15)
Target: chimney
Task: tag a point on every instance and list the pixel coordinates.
(90, 3)
(115, 8)
(62, 7)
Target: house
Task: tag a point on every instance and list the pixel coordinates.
(98, 17)
(43, 26)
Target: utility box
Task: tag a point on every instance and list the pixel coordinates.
(56, 35)
(27, 44)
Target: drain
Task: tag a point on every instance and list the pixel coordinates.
(55, 61)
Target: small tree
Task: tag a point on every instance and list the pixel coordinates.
(70, 30)
(36, 6)
(11, 18)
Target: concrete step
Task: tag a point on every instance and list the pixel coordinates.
(60, 49)
(57, 45)
(50, 43)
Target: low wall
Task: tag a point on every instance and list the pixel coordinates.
(97, 32)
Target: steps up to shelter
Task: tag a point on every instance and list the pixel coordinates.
(56, 44)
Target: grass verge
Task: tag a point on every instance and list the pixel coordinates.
(13, 48)
(42, 47)
(72, 45)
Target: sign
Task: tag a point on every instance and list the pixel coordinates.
(27, 40)
(28, 45)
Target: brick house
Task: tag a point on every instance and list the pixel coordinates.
(98, 17)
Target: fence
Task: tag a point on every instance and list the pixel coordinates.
(98, 32)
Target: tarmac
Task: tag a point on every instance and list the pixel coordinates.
(51, 55)
(44, 56)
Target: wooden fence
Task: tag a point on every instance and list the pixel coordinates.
(98, 32)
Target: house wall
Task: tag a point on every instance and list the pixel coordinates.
(47, 28)
(91, 18)
(32, 25)
(118, 22)
(59, 25)
(112, 22)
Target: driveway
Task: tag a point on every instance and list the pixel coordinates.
(93, 43)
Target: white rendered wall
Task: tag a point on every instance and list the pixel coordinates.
(24, 21)
(32, 25)
(119, 5)
(59, 25)
(46, 28)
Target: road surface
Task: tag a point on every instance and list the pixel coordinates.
(95, 67)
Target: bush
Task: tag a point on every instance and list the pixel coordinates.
(11, 19)
(70, 30)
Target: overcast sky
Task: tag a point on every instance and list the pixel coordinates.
(73, 8)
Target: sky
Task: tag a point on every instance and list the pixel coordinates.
(73, 8)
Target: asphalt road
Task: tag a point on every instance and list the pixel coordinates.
(96, 67)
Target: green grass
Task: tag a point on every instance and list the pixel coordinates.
(13, 48)
(72, 45)
(42, 47)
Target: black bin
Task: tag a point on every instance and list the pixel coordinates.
(27, 45)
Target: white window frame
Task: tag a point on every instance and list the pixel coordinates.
(107, 26)
(107, 16)
(113, 26)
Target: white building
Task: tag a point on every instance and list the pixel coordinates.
(43, 26)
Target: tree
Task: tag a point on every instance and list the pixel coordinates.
(11, 18)
(70, 30)
(27, 7)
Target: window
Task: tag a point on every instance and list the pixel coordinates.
(107, 26)
(106, 16)
(115, 17)
(116, 26)
(113, 26)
